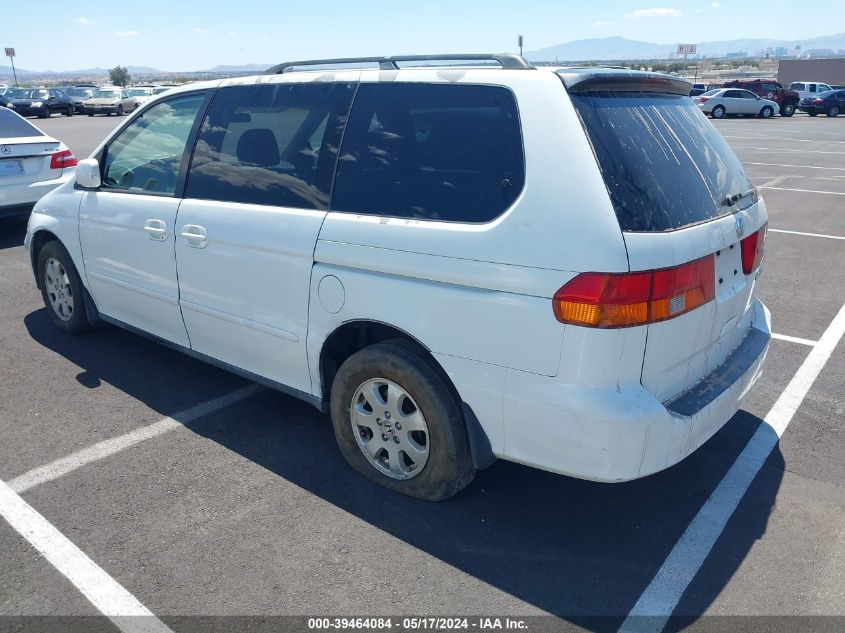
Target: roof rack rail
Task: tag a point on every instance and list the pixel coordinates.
(505, 60)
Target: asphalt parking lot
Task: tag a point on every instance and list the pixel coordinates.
(245, 507)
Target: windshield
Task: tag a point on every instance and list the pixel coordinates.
(80, 92)
(664, 164)
(14, 126)
(710, 93)
(32, 94)
(107, 94)
(140, 92)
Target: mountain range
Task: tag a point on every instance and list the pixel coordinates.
(618, 48)
(605, 49)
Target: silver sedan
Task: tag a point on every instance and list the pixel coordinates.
(722, 102)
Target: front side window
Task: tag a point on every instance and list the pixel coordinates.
(270, 144)
(447, 152)
(147, 155)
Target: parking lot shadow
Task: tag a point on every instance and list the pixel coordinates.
(580, 550)
(12, 231)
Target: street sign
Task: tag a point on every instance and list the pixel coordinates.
(687, 49)
(10, 52)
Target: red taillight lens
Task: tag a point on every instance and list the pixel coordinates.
(817, 101)
(607, 300)
(703, 99)
(753, 249)
(63, 159)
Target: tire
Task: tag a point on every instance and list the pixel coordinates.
(62, 289)
(44, 115)
(813, 113)
(446, 467)
(69, 111)
(787, 109)
(120, 110)
(718, 112)
(767, 112)
(833, 111)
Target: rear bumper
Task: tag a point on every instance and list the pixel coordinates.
(620, 433)
(101, 109)
(14, 199)
(812, 108)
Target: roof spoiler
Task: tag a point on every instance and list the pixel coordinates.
(583, 80)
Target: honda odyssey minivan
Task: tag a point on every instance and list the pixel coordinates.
(459, 259)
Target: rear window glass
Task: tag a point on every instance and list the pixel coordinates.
(13, 126)
(436, 152)
(664, 164)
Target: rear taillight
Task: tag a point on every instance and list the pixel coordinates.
(703, 99)
(753, 248)
(611, 300)
(62, 159)
(817, 101)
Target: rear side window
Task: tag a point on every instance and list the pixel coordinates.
(13, 126)
(273, 144)
(437, 152)
(664, 164)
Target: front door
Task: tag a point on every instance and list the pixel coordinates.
(127, 227)
(256, 195)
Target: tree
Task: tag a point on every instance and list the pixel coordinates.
(119, 76)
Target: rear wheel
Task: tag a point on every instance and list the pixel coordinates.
(787, 109)
(398, 423)
(62, 289)
(813, 113)
(718, 112)
(833, 111)
(767, 112)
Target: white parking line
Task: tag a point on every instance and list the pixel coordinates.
(830, 237)
(794, 166)
(658, 601)
(103, 449)
(103, 591)
(795, 339)
(785, 138)
(778, 149)
(829, 193)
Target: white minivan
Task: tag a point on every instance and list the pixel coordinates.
(458, 262)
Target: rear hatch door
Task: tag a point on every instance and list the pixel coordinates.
(680, 194)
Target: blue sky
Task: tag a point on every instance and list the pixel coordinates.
(190, 35)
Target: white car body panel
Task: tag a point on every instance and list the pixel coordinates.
(131, 273)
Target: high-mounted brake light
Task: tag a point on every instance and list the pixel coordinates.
(753, 249)
(63, 159)
(612, 300)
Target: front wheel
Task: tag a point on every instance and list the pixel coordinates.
(69, 111)
(813, 113)
(45, 114)
(62, 289)
(767, 112)
(833, 111)
(787, 110)
(120, 110)
(398, 423)
(718, 112)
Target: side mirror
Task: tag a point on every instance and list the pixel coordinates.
(88, 173)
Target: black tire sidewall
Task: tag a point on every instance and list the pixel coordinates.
(767, 112)
(833, 111)
(449, 467)
(79, 321)
(720, 109)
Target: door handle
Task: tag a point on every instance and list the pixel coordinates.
(195, 235)
(156, 230)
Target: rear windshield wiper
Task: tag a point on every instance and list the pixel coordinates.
(731, 200)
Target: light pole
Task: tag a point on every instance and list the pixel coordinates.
(10, 53)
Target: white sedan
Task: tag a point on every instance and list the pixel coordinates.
(723, 102)
(31, 164)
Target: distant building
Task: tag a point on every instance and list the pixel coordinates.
(737, 55)
(830, 70)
